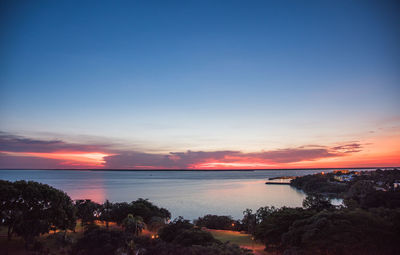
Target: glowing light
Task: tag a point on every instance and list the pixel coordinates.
(230, 165)
(91, 159)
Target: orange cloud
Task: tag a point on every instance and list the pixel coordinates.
(87, 159)
(19, 152)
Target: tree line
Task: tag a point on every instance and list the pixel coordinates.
(368, 221)
(29, 209)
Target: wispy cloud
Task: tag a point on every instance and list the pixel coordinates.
(22, 162)
(13, 143)
(173, 160)
(348, 148)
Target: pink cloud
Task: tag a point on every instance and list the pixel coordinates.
(21, 152)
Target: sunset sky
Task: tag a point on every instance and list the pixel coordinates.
(199, 84)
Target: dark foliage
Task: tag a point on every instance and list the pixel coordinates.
(182, 232)
(140, 207)
(215, 222)
(173, 229)
(319, 183)
(106, 212)
(133, 224)
(97, 241)
(87, 210)
(180, 237)
(363, 194)
(249, 221)
(156, 223)
(30, 209)
(387, 177)
(369, 224)
(276, 222)
(164, 248)
(341, 232)
(189, 237)
(317, 202)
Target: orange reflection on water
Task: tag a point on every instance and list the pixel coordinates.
(248, 193)
(230, 165)
(89, 188)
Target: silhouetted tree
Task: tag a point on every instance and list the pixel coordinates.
(278, 222)
(98, 241)
(133, 224)
(317, 202)
(341, 232)
(249, 221)
(173, 229)
(140, 207)
(30, 209)
(106, 212)
(215, 222)
(88, 211)
(156, 223)
(9, 211)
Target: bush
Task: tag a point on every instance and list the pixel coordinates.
(342, 232)
(173, 229)
(140, 207)
(276, 222)
(215, 222)
(163, 248)
(97, 241)
(189, 237)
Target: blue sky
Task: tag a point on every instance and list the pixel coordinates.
(200, 75)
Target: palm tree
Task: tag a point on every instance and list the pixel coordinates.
(133, 224)
(106, 212)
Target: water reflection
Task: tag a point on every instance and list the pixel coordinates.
(187, 194)
(92, 189)
(235, 196)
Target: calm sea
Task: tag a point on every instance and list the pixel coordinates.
(185, 193)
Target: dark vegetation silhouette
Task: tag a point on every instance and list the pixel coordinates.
(368, 221)
(29, 209)
(216, 222)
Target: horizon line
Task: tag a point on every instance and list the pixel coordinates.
(208, 170)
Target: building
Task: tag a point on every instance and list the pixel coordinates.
(343, 178)
(341, 171)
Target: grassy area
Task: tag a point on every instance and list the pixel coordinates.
(232, 236)
(50, 242)
(243, 240)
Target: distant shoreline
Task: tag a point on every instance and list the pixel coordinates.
(200, 170)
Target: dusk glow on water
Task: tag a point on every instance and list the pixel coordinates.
(190, 194)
